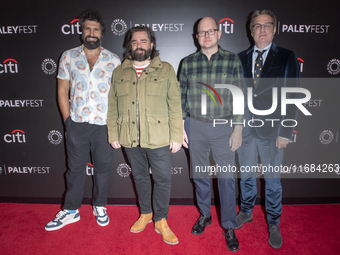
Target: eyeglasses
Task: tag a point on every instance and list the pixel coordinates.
(267, 26)
(209, 32)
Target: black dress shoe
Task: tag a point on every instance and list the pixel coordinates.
(200, 225)
(230, 237)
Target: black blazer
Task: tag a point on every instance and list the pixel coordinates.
(281, 69)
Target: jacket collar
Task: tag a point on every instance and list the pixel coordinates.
(154, 64)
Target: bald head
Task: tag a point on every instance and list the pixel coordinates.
(207, 21)
(208, 35)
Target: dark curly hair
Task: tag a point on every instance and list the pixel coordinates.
(92, 15)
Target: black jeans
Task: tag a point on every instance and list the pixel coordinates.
(160, 164)
(81, 139)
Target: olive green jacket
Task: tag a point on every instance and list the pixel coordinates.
(159, 99)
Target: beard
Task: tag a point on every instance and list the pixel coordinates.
(141, 56)
(91, 45)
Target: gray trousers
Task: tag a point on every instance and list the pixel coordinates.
(203, 139)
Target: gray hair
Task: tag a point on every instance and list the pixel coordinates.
(262, 12)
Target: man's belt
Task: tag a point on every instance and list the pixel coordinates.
(208, 120)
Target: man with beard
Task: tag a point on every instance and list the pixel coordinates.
(85, 73)
(144, 117)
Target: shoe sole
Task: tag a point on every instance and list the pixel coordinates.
(248, 221)
(157, 231)
(278, 247)
(197, 234)
(232, 250)
(103, 224)
(63, 225)
(133, 231)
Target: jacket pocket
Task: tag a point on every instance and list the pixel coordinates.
(158, 130)
(124, 131)
(156, 86)
(122, 86)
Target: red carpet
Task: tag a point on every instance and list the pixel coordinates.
(306, 229)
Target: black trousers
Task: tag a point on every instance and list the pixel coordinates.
(81, 139)
(160, 163)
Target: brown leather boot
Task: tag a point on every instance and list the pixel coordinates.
(141, 223)
(161, 227)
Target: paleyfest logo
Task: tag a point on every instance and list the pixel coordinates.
(238, 103)
(333, 66)
(119, 27)
(49, 66)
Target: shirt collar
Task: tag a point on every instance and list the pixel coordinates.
(155, 63)
(220, 51)
(266, 48)
(81, 50)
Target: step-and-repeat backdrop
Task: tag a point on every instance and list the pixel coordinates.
(33, 34)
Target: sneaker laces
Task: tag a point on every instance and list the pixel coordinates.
(100, 211)
(61, 215)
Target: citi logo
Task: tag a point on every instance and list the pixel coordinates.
(301, 61)
(71, 28)
(10, 65)
(204, 97)
(226, 25)
(17, 136)
(89, 169)
(293, 139)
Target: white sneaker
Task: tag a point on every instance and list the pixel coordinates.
(62, 219)
(101, 215)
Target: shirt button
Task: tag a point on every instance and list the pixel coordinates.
(255, 95)
(133, 83)
(155, 79)
(146, 73)
(133, 122)
(122, 79)
(159, 121)
(134, 141)
(133, 102)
